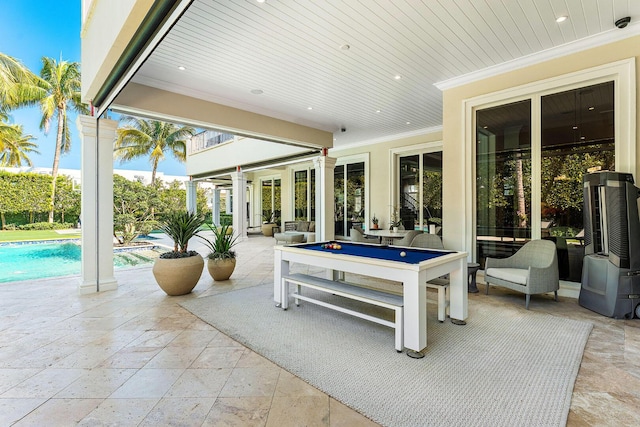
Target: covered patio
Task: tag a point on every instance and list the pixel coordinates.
(134, 356)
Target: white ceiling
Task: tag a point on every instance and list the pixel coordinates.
(292, 50)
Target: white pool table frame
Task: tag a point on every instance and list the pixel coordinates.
(414, 278)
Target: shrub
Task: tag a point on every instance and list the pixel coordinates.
(46, 226)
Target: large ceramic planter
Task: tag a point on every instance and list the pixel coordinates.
(221, 269)
(178, 276)
(267, 229)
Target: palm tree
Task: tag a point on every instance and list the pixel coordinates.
(14, 145)
(152, 138)
(62, 91)
(18, 85)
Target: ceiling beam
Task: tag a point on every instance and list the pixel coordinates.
(141, 100)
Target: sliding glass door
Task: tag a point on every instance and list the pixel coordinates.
(517, 169)
(503, 179)
(349, 194)
(271, 202)
(304, 195)
(421, 191)
(577, 137)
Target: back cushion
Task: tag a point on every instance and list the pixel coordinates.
(290, 226)
(303, 225)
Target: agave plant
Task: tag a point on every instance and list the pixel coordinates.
(181, 227)
(221, 244)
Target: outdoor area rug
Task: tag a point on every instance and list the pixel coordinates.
(506, 367)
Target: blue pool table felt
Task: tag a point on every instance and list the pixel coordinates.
(388, 253)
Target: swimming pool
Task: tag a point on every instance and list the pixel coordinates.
(28, 261)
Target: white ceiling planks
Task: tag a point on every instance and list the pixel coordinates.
(291, 50)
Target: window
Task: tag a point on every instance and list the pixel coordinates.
(503, 179)
(576, 136)
(304, 195)
(420, 191)
(349, 194)
(271, 202)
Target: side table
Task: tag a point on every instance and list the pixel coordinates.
(472, 269)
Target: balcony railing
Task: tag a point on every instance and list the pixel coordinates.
(208, 139)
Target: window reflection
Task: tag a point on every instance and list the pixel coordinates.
(503, 180)
(577, 137)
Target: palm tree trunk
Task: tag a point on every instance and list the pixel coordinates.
(153, 181)
(153, 171)
(522, 208)
(56, 162)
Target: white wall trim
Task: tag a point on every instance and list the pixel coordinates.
(586, 43)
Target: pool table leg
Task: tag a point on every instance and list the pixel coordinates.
(280, 268)
(415, 314)
(458, 294)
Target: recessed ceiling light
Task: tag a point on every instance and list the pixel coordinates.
(345, 47)
(592, 108)
(561, 18)
(408, 123)
(309, 108)
(397, 77)
(181, 68)
(257, 91)
(377, 111)
(260, 1)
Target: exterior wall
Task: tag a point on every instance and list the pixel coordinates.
(284, 174)
(242, 151)
(378, 180)
(454, 170)
(107, 28)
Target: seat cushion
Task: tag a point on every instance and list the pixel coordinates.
(515, 275)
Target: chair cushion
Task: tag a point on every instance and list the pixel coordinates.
(515, 275)
(303, 226)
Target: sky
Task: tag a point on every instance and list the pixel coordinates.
(31, 29)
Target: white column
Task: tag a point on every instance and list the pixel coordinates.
(97, 204)
(227, 201)
(215, 206)
(191, 187)
(239, 203)
(325, 204)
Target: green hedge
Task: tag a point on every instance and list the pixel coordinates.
(46, 226)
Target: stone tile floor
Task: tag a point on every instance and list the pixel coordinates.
(133, 356)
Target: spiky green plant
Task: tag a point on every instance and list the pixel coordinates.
(181, 227)
(222, 242)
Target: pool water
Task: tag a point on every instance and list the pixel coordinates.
(41, 260)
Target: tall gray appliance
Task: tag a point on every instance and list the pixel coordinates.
(611, 269)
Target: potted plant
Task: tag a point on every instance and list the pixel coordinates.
(268, 222)
(221, 261)
(178, 271)
(374, 220)
(396, 222)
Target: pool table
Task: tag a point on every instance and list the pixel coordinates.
(413, 269)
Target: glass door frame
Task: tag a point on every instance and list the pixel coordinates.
(622, 73)
(345, 161)
(310, 194)
(273, 179)
(396, 154)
